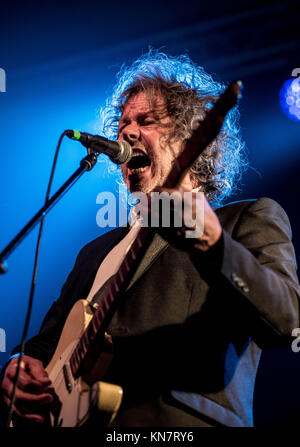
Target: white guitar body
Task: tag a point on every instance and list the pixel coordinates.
(76, 399)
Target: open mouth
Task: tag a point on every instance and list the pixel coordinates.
(139, 161)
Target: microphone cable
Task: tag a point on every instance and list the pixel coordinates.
(32, 288)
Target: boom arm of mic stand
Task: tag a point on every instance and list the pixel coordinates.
(86, 164)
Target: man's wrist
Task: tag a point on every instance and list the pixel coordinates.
(212, 258)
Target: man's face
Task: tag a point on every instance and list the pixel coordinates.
(146, 130)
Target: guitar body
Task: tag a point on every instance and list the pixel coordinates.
(76, 400)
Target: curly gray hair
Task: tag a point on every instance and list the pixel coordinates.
(188, 92)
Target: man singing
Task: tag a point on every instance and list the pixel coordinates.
(190, 328)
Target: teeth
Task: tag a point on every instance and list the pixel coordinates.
(139, 169)
(138, 154)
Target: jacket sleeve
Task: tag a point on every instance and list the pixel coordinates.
(256, 272)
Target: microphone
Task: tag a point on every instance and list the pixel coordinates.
(118, 151)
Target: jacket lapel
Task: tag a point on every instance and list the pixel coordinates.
(155, 249)
(157, 246)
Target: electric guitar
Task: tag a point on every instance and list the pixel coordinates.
(85, 350)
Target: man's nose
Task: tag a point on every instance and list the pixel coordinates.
(131, 133)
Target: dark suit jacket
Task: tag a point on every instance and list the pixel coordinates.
(189, 332)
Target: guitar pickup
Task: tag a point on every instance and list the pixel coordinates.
(67, 377)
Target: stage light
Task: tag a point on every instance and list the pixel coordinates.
(290, 98)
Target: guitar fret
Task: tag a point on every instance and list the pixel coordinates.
(72, 365)
(73, 369)
(139, 241)
(75, 354)
(82, 352)
(104, 303)
(77, 363)
(83, 344)
(135, 244)
(108, 300)
(121, 273)
(85, 340)
(110, 295)
(96, 317)
(100, 313)
(118, 281)
(94, 328)
(79, 350)
(115, 287)
(90, 331)
(131, 255)
(97, 323)
(78, 356)
(126, 265)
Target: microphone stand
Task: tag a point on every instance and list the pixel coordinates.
(86, 164)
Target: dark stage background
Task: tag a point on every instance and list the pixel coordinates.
(61, 58)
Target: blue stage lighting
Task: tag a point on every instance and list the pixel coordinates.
(290, 98)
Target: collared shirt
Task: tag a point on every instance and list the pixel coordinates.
(111, 263)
